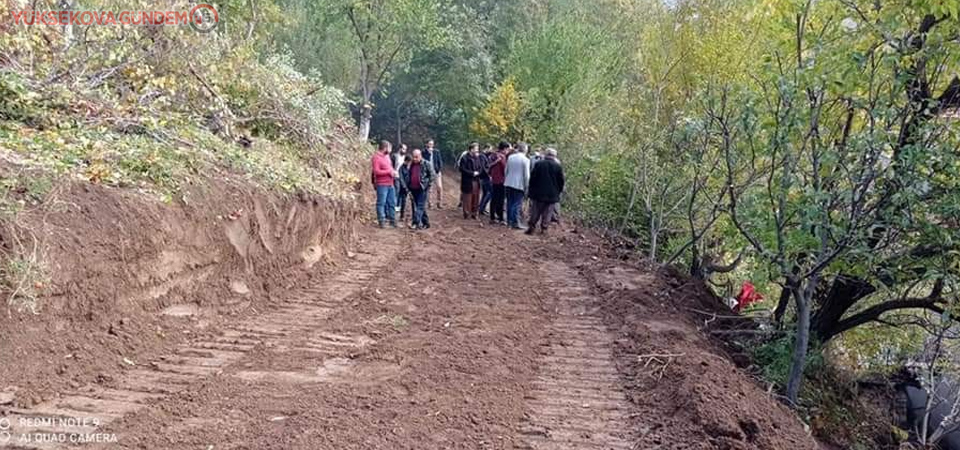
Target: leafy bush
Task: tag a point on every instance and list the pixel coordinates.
(155, 106)
(774, 359)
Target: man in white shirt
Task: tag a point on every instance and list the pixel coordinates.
(397, 157)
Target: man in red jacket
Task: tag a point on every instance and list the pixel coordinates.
(383, 176)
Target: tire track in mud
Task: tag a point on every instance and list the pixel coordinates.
(576, 401)
(295, 325)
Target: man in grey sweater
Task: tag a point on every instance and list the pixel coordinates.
(517, 179)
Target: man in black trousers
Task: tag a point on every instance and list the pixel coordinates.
(546, 185)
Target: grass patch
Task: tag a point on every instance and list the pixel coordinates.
(164, 160)
(396, 321)
(776, 357)
(23, 275)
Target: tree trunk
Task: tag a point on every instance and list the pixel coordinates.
(633, 199)
(399, 127)
(366, 115)
(696, 263)
(802, 341)
(67, 5)
(654, 234)
(252, 25)
(781, 309)
(843, 294)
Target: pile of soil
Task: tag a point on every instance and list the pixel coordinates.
(129, 275)
(696, 395)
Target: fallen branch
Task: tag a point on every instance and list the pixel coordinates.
(663, 359)
(96, 80)
(221, 103)
(718, 316)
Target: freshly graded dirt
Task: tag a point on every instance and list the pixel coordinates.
(130, 277)
(465, 336)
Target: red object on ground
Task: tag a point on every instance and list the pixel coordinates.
(748, 295)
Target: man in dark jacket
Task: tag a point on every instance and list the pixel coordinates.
(416, 178)
(546, 185)
(402, 189)
(435, 158)
(498, 166)
(486, 187)
(471, 166)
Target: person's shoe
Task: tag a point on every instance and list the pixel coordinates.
(465, 215)
(427, 226)
(473, 216)
(393, 224)
(528, 232)
(543, 232)
(381, 225)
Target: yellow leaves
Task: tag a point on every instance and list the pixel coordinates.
(97, 172)
(162, 82)
(346, 178)
(500, 117)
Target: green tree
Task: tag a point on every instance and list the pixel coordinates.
(387, 32)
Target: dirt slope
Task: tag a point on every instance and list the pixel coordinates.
(462, 337)
(122, 266)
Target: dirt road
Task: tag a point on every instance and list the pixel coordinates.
(461, 337)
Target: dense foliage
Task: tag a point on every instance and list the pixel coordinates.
(154, 105)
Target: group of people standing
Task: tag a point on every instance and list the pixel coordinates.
(500, 178)
(397, 176)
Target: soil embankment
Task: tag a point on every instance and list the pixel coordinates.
(124, 273)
